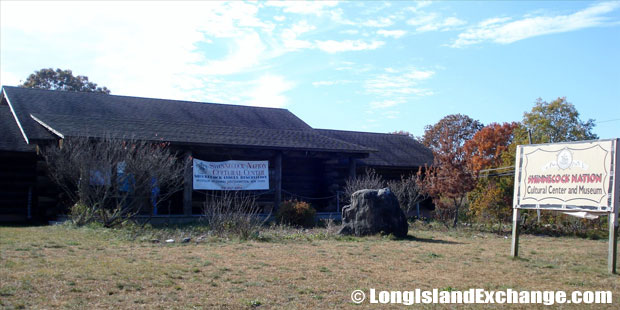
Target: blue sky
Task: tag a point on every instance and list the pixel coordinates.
(368, 66)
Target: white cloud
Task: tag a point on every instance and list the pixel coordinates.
(304, 7)
(418, 74)
(422, 19)
(337, 16)
(392, 33)
(302, 27)
(332, 46)
(206, 51)
(493, 21)
(133, 48)
(179, 51)
(290, 41)
(391, 114)
(246, 54)
(289, 36)
(397, 86)
(433, 22)
(8, 78)
(268, 91)
(385, 103)
(323, 83)
(379, 23)
(330, 83)
(504, 31)
(350, 31)
(418, 5)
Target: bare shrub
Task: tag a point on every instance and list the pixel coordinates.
(370, 180)
(331, 227)
(408, 191)
(80, 215)
(113, 180)
(233, 213)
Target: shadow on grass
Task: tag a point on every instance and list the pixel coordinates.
(426, 240)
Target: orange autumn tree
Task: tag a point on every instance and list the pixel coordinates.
(487, 145)
(450, 178)
(491, 199)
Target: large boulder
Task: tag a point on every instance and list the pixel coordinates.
(373, 211)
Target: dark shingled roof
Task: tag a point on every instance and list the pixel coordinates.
(393, 150)
(11, 139)
(75, 126)
(92, 114)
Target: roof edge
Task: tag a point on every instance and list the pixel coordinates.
(48, 127)
(149, 98)
(362, 132)
(19, 124)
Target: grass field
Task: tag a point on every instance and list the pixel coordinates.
(59, 267)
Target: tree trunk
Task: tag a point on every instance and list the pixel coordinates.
(456, 213)
(499, 227)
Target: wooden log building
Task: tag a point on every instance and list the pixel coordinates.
(304, 163)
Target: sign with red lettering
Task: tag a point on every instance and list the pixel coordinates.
(576, 176)
(232, 175)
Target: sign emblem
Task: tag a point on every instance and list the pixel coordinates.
(565, 158)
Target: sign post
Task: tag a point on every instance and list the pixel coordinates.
(514, 249)
(573, 177)
(613, 216)
(613, 243)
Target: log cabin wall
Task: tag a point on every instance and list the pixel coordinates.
(18, 176)
(51, 201)
(304, 177)
(389, 173)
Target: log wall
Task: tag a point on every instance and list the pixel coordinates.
(18, 176)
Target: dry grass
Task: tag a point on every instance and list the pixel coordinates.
(60, 267)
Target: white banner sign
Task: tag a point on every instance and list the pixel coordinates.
(232, 175)
(566, 176)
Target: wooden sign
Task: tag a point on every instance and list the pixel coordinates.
(569, 177)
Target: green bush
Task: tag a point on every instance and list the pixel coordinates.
(80, 214)
(296, 213)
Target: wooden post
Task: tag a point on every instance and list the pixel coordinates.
(613, 242)
(338, 201)
(30, 202)
(514, 249)
(188, 186)
(417, 209)
(612, 255)
(278, 181)
(352, 168)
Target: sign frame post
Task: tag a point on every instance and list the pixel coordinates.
(612, 255)
(514, 249)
